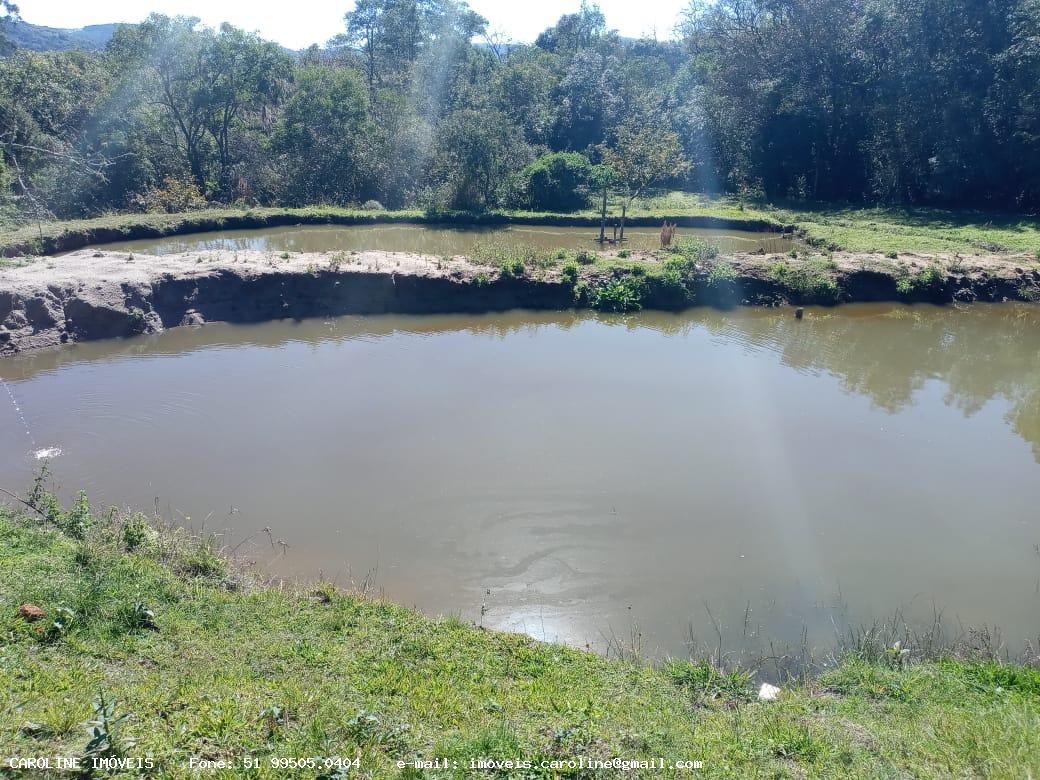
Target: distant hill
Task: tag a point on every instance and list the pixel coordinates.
(35, 37)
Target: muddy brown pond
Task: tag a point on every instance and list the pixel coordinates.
(436, 239)
(581, 478)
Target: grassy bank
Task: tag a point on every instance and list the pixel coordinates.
(203, 663)
(66, 235)
(882, 230)
(857, 229)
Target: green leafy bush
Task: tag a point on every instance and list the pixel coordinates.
(76, 520)
(137, 534)
(721, 276)
(554, 182)
(513, 268)
(618, 295)
(928, 282)
(674, 286)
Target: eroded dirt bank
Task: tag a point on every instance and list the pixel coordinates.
(93, 295)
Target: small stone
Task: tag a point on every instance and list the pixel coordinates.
(30, 612)
(193, 318)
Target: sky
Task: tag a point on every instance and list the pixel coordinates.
(297, 24)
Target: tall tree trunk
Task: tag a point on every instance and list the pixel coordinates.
(624, 210)
(371, 52)
(195, 164)
(603, 218)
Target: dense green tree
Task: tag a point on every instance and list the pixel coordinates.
(8, 15)
(249, 76)
(555, 182)
(894, 100)
(574, 32)
(207, 86)
(1017, 97)
(589, 100)
(641, 155)
(897, 101)
(524, 90)
(323, 132)
(476, 151)
(391, 35)
(52, 120)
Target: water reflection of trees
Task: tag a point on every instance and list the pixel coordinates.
(888, 353)
(311, 331)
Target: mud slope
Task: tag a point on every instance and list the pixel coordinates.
(91, 295)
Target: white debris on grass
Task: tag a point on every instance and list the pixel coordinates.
(768, 692)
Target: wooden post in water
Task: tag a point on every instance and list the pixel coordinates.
(603, 217)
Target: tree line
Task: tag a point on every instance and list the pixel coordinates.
(415, 104)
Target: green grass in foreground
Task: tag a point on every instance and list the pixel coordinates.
(205, 665)
(836, 227)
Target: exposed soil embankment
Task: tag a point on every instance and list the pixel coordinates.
(91, 295)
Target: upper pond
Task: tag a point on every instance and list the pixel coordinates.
(585, 478)
(435, 239)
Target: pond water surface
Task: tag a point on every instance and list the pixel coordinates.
(435, 239)
(583, 478)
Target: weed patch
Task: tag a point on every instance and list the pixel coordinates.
(619, 294)
(929, 283)
(807, 282)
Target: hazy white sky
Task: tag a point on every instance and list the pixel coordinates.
(299, 23)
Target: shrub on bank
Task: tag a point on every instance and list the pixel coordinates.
(554, 182)
(172, 196)
(930, 282)
(721, 275)
(618, 294)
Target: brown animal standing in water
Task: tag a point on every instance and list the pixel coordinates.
(667, 233)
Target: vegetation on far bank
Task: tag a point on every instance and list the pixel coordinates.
(867, 229)
(414, 103)
(152, 644)
(833, 228)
